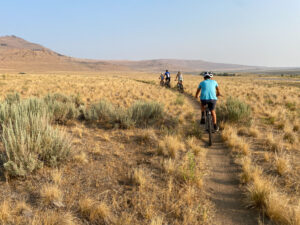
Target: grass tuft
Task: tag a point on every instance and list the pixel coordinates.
(169, 146)
(50, 193)
(95, 212)
(137, 177)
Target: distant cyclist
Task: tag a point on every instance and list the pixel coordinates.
(168, 76)
(161, 77)
(209, 92)
(179, 77)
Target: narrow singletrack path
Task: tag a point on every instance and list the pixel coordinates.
(222, 187)
(222, 184)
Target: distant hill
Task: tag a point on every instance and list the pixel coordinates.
(17, 54)
(183, 65)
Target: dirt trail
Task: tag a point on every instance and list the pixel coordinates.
(222, 185)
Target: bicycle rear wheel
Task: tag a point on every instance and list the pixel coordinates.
(209, 128)
(181, 88)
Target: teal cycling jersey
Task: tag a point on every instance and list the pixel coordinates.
(208, 89)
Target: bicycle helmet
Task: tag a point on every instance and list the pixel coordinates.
(208, 74)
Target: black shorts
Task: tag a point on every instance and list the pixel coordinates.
(210, 103)
(168, 78)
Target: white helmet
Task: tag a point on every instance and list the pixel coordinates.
(208, 74)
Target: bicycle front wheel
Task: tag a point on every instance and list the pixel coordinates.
(209, 128)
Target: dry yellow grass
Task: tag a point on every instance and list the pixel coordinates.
(157, 221)
(282, 164)
(194, 145)
(5, 212)
(81, 157)
(103, 157)
(169, 166)
(272, 144)
(138, 177)
(50, 217)
(170, 146)
(51, 194)
(274, 130)
(56, 176)
(95, 211)
(238, 144)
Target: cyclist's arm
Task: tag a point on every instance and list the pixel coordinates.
(218, 91)
(197, 92)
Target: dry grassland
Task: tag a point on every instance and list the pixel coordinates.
(268, 146)
(151, 175)
(154, 175)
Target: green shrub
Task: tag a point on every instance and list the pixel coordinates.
(58, 108)
(122, 119)
(61, 108)
(234, 110)
(30, 142)
(101, 111)
(62, 112)
(12, 111)
(28, 139)
(107, 114)
(139, 114)
(146, 113)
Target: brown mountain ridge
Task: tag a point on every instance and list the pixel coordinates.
(17, 54)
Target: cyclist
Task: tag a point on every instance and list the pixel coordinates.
(209, 92)
(179, 77)
(161, 77)
(168, 76)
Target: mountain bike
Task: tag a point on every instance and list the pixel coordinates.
(167, 83)
(162, 83)
(208, 124)
(180, 87)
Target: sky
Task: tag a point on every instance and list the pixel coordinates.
(249, 32)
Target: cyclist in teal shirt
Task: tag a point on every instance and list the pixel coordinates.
(209, 95)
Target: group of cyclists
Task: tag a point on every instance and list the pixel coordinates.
(208, 89)
(165, 79)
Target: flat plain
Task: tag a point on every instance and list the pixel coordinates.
(156, 170)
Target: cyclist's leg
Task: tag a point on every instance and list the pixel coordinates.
(214, 116)
(203, 104)
(212, 106)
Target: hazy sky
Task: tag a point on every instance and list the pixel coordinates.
(251, 32)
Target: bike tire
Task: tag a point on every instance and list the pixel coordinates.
(209, 127)
(181, 88)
